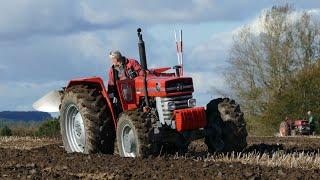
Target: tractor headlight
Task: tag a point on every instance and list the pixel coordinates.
(169, 105)
(192, 102)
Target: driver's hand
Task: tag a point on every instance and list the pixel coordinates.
(115, 100)
(111, 95)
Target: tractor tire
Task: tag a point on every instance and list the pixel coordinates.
(86, 122)
(134, 135)
(284, 129)
(227, 125)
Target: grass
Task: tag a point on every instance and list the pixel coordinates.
(26, 143)
(277, 159)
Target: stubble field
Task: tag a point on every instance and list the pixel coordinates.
(265, 158)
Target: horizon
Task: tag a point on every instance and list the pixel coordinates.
(45, 44)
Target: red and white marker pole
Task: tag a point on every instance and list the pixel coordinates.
(179, 45)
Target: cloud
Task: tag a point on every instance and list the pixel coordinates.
(204, 80)
(19, 18)
(25, 18)
(3, 67)
(45, 43)
(210, 55)
(204, 85)
(43, 59)
(257, 27)
(21, 95)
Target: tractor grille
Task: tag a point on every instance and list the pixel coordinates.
(180, 85)
(179, 101)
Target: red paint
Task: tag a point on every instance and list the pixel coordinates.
(190, 119)
(300, 122)
(156, 84)
(99, 81)
(160, 70)
(127, 93)
(163, 81)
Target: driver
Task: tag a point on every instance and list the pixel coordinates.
(122, 68)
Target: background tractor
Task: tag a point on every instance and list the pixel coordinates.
(157, 111)
(294, 127)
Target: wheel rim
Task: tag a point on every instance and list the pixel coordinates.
(74, 128)
(128, 143)
(282, 131)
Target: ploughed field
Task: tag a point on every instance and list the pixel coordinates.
(265, 158)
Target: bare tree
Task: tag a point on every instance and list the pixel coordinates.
(262, 61)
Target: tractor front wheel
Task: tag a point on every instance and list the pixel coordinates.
(284, 129)
(134, 134)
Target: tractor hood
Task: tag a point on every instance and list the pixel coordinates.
(165, 85)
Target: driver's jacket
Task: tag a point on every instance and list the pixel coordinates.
(131, 66)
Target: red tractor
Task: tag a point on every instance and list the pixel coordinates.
(155, 111)
(294, 127)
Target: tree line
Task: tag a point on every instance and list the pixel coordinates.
(46, 128)
(274, 69)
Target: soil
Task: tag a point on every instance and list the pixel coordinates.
(50, 161)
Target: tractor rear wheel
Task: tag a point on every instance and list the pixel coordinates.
(227, 125)
(284, 129)
(134, 135)
(86, 124)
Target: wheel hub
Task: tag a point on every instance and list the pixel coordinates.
(75, 130)
(128, 142)
(78, 125)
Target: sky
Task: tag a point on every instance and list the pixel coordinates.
(45, 43)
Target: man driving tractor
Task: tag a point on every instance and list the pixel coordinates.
(122, 68)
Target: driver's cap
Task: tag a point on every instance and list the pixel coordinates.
(115, 55)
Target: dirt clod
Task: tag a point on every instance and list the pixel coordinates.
(50, 161)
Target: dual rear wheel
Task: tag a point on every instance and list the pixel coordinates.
(227, 125)
(86, 125)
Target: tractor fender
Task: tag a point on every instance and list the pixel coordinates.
(104, 92)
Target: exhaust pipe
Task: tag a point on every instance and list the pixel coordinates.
(143, 62)
(142, 51)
